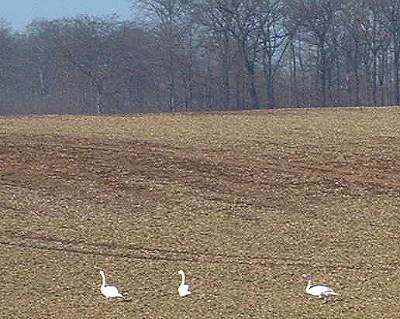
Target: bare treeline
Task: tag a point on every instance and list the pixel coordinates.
(182, 55)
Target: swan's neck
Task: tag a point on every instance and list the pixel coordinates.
(103, 282)
(183, 278)
(308, 285)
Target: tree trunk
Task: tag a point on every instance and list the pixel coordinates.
(225, 71)
(293, 85)
(356, 75)
(189, 75)
(249, 64)
(382, 77)
(268, 75)
(99, 98)
(171, 85)
(396, 70)
(252, 88)
(374, 76)
(323, 71)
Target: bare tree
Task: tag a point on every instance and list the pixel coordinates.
(317, 18)
(218, 22)
(166, 18)
(86, 44)
(245, 29)
(390, 10)
(6, 64)
(273, 42)
(376, 40)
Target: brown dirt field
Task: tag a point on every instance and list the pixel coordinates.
(244, 202)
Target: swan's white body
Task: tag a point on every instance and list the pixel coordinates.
(183, 289)
(319, 290)
(109, 291)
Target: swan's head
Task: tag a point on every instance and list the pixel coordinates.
(101, 272)
(306, 276)
(180, 272)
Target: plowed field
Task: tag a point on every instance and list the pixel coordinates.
(244, 202)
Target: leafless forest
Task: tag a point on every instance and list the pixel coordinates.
(181, 55)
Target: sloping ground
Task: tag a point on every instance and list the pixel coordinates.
(245, 203)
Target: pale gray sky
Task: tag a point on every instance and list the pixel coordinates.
(21, 12)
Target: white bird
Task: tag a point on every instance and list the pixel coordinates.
(183, 289)
(319, 290)
(109, 291)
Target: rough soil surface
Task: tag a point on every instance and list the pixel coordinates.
(245, 203)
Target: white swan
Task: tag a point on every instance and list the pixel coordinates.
(183, 289)
(319, 290)
(109, 291)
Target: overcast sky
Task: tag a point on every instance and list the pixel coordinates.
(21, 12)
